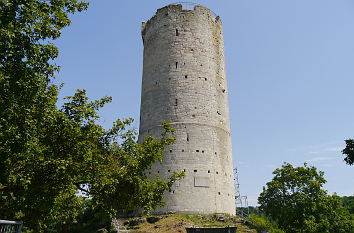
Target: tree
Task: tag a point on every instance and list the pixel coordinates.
(348, 203)
(349, 151)
(296, 201)
(48, 154)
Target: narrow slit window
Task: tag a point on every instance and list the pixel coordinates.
(187, 137)
(177, 34)
(208, 171)
(176, 65)
(182, 150)
(219, 193)
(176, 102)
(184, 170)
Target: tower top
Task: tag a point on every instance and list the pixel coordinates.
(191, 6)
(180, 8)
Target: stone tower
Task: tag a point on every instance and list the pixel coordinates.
(184, 83)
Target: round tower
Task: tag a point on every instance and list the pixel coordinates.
(184, 83)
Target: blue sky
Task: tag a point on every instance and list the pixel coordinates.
(290, 71)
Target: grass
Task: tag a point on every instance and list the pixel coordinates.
(176, 223)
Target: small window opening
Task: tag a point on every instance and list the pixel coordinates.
(193, 115)
(195, 170)
(156, 82)
(182, 150)
(176, 65)
(158, 171)
(217, 172)
(176, 102)
(177, 34)
(173, 191)
(223, 90)
(201, 64)
(185, 76)
(219, 193)
(169, 170)
(197, 150)
(169, 78)
(205, 79)
(149, 172)
(202, 151)
(208, 171)
(184, 170)
(216, 153)
(170, 151)
(187, 137)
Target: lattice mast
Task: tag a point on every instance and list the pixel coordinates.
(240, 201)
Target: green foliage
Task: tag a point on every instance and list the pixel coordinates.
(349, 151)
(88, 221)
(242, 211)
(261, 223)
(48, 154)
(295, 200)
(348, 203)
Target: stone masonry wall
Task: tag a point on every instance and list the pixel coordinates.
(184, 83)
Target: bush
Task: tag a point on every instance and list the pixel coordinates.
(261, 223)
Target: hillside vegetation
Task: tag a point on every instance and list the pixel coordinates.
(176, 223)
